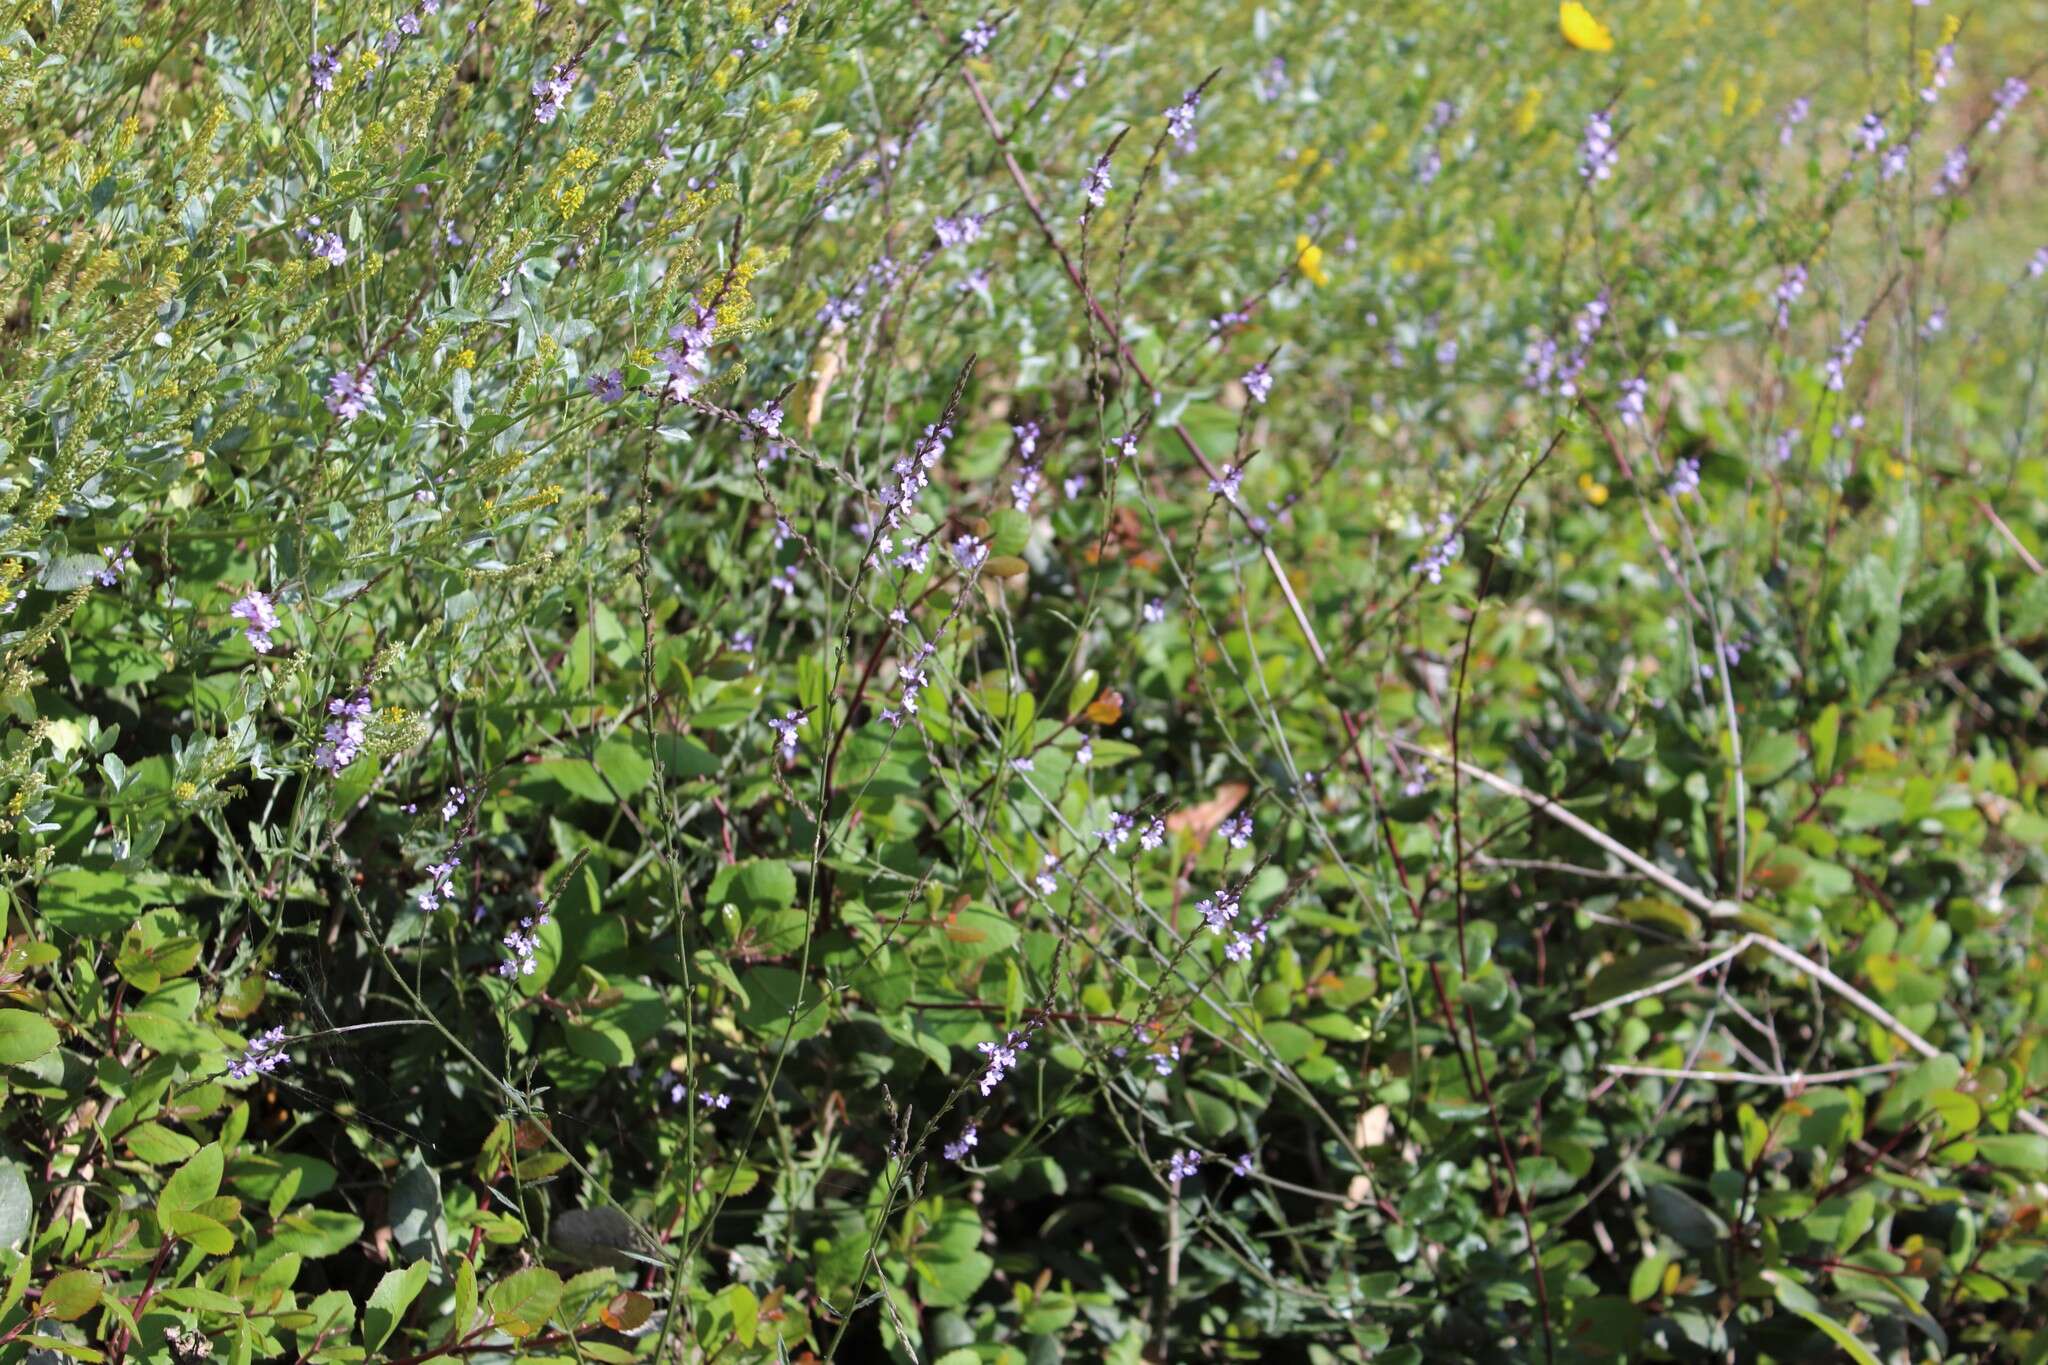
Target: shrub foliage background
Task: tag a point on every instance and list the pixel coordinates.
(731, 682)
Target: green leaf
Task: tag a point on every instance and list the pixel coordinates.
(2026, 1153)
(71, 1295)
(24, 1036)
(393, 1295)
(754, 885)
(978, 932)
(201, 1231)
(1684, 1219)
(522, 1303)
(17, 1206)
(1840, 1335)
(419, 1229)
(193, 1183)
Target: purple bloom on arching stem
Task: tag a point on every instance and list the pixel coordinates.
(1258, 382)
(1164, 1063)
(1685, 478)
(1125, 445)
(1183, 1165)
(409, 24)
(1153, 835)
(349, 392)
(1045, 878)
(1227, 482)
(1120, 827)
(1943, 67)
(1218, 910)
(344, 734)
(1870, 134)
(1002, 1058)
(970, 1137)
(264, 1055)
(977, 38)
(1237, 829)
(1154, 611)
(1243, 1166)
(325, 68)
(2005, 101)
(1955, 172)
(1097, 184)
(1180, 120)
(255, 609)
(609, 386)
(786, 729)
(1790, 287)
(1893, 163)
(117, 564)
(1795, 114)
(1634, 394)
(551, 93)
(1597, 156)
(1440, 556)
(767, 419)
(329, 247)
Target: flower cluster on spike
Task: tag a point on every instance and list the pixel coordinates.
(343, 738)
(1002, 1058)
(265, 1054)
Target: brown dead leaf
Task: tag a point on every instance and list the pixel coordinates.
(1201, 821)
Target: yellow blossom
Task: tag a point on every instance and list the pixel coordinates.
(465, 359)
(1581, 29)
(1309, 257)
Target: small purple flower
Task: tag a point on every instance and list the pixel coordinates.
(1893, 163)
(1218, 910)
(1180, 120)
(1258, 382)
(2004, 102)
(1237, 829)
(409, 24)
(1084, 754)
(1002, 1058)
(976, 40)
(1154, 611)
(550, 94)
(329, 247)
(1125, 446)
(1097, 183)
(1935, 325)
(1165, 1063)
(610, 386)
(1444, 552)
(1597, 154)
(452, 807)
(325, 67)
(264, 1055)
(2037, 264)
(959, 231)
(1273, 81)
(1787, 442)
(116, 565)
(969, 1138)
(1685, 478)
(1047, 878)
(1938, 74)
(1120, 827)
(1955, 172)
(1153, 835)
(350, 392)
(1227, 482)
(1243, 1166)
(1183, 1165)
(786, 728)
(255, 608)
(1795, 114)
(1843, 355)
(1634, 394)
(767, 418)
(1790, 287)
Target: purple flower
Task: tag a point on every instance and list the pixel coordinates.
(767, 418)
(349, 392)
(1180, 120)
(959, 231)
(976, 40)
(2004, 102)
(1870, 134)
(1843, 355)
(610, 386)
(343, 738)
(452, 807)
(264, 1055)
(1685, 478)
(1273, 82)
(1154, 611)
(1002, 1058)
(116, 565)
(329, 247)
(1125, 446)
(1153, 835)
(2037, 264)
(1243, 1166)
(1893, 163)
(1955, 172)
(255, 608)
(1084, 754)
(1120, 827)
(409, 24)
(1795, 114)
(1258, 382)
(1227, 482)
(1164, 1063)
(969, 1138)
(1597, 156)
(1444, 552)
(1218, 910)
(1634, 394)
(551, 94)
(1237, 829)
(1183, 1165)
(1787, 442)
(1046, 878)
(325, 68)
(1790, 287)
(786, 728)
(1097, 183)
(1937, 77)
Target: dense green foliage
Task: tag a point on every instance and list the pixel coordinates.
(1175, 682)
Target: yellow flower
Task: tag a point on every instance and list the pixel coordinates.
(1595, 491)
(1309, 257)
(1525, 112)
(465, 359)
(1895, 468)
(1581, 29)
